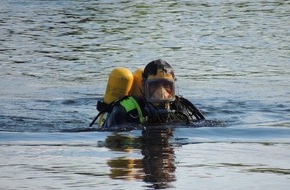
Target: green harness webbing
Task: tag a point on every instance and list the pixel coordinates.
(130, 104)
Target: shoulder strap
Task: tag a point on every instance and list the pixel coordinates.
(107, 108)
(130, 104)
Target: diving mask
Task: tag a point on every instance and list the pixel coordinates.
(159, 90)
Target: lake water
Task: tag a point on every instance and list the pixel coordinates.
(231, 59)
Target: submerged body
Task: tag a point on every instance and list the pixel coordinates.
(124, 111)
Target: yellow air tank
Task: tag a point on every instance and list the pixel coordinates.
(119, 84)
(137, 86)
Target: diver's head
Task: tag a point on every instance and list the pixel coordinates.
(158, 82)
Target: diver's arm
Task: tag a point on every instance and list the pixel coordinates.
(192, 107)
(118, 116)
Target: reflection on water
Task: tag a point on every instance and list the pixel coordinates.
(125, 168)
(159, 163)
(157, 166)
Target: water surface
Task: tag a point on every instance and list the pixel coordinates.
(231, 59)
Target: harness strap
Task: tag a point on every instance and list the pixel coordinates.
(130, 104)
(106, 108)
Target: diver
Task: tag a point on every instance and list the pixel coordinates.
(156, 102)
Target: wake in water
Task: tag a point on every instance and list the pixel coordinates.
(205, 123)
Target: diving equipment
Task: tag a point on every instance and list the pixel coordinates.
(119, 85)
(137, 88)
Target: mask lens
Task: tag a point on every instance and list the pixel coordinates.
(160, 90)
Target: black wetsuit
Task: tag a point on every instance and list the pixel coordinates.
(181, 111)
